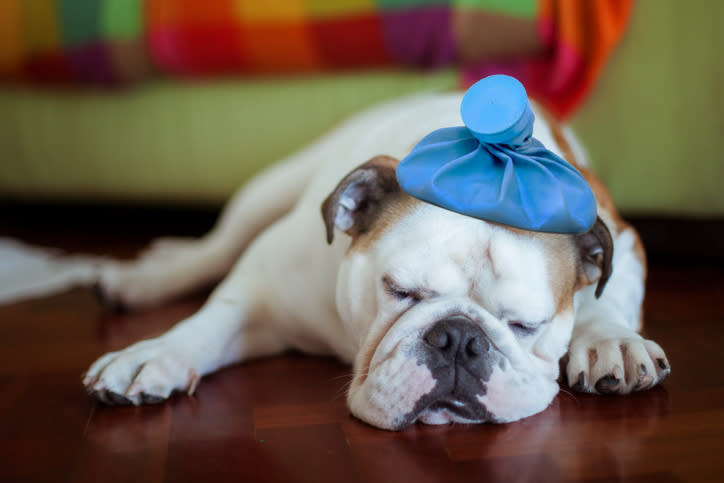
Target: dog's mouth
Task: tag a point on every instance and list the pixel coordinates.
(453, 410)
(454, 406)
(449, 411)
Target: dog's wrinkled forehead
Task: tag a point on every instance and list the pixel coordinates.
(439, 251)
(426, 247)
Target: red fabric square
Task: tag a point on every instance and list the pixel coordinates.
(198, 51)
(51, 66)
(350, 41)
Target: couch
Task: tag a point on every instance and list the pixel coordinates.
(649, 111)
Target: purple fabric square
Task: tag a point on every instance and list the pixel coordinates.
(420, 37)
(92, 63)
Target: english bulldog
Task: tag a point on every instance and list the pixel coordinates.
(445, 318)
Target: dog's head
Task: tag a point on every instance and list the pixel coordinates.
(457, 319)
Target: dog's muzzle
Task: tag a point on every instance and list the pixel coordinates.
(460, 357)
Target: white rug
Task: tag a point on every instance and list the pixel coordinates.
(28, 271)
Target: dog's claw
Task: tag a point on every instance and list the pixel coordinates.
(101, 396)
(118, 399)
(644, 380)
(665, 371)
(151, 399)
(580, 384)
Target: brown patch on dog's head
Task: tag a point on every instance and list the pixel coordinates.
(562, 261)
(356, 205)
(395, 209)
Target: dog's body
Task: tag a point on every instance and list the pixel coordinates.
(445, 317)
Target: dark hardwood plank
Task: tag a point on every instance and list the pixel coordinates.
(285, 419)
(124, 444)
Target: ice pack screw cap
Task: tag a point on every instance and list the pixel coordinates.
(496, 110)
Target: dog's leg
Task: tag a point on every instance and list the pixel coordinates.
(606, 354)
(233, 325)
(171, 267)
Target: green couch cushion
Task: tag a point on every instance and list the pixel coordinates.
(172, 141)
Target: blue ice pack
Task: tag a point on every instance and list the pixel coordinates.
(493, 169)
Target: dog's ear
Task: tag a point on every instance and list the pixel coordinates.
(356, 202)
(595, 252)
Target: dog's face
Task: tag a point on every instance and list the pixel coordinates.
(456, 319)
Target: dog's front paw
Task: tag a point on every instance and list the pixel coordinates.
(145, 373)
(615, 365)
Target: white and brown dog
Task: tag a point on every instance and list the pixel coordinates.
(445, 317)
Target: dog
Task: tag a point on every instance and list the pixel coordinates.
(444, 318)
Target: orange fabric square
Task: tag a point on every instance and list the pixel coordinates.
(252, 11)
(10, 45)
(189, 13)
(279, 47)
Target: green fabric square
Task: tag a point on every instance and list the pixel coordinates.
(515, 8)
(411, 4)
(122, 19)
(78, 21)
(331, 8)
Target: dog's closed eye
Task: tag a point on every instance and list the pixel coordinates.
(523, 328)
(402, 294)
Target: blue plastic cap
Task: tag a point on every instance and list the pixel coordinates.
(496, 110)
(493, 169)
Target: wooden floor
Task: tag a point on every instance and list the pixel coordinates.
(284, 419)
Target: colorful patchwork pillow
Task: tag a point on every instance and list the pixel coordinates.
(555, 47)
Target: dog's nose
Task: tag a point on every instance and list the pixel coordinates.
(460, 357)
(457, 342)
